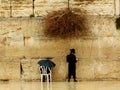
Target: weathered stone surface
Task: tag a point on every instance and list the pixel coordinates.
(9, 69)
(42, 7)
(23, 39)
(30, 69)
(85, 69)
(107, 69)
(23, 42)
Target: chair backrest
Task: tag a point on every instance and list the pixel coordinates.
(45, 70)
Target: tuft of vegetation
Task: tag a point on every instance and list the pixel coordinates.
(65, 24)
(32, 15)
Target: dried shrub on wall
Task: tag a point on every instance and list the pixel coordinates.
(65, 24)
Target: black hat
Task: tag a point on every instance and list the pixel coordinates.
(72, 50)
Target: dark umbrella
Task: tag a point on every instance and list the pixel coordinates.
(47, 63)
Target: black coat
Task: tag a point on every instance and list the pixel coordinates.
(71, 59)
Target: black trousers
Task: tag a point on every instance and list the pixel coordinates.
(72, 71)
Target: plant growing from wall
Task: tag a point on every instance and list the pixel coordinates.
(66, 24)
(33, 7)
(32, 15)
(10, 8)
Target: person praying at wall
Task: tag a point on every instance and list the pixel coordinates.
(71, 59)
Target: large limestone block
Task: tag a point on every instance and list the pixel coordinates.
(32, 26)
(101, 26)
(85, 69)
(14, 52)
(20, 29)
(15, 39)
(47, 48)
(107, 69)
(30, 69)
(88, 48)
(60, 71)
(9, 26)
(14, 45)
(107, 47)
(9, 69)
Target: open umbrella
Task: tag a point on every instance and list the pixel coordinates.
(47, 63)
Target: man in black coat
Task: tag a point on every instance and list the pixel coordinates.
(71, 59)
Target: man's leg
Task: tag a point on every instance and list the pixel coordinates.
(74, 76)
(69, 76)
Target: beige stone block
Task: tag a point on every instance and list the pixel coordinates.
(32, 42)
(30, 69)
(15, 39)
(107, 27)
(13, 24)
(14, 52)
(86, 48)
(106, 69)
(32, 52)
(53, 48)
(101, 26)
(9, 69)
(85, 69)
(32, 26)
(107, 48)
(26, 26)
(60, 71)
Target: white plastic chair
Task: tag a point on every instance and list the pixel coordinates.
(44, 72)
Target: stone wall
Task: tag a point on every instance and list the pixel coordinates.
(23, 42)
(22, 8)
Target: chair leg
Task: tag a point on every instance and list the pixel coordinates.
(50, 78)
(47, 78)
